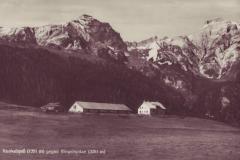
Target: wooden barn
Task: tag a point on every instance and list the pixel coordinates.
(151, 108)
(93, 107)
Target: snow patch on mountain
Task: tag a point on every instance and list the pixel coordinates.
(177, 41)
(153, 53)
(6, 31)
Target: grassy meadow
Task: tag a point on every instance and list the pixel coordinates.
(121, 137)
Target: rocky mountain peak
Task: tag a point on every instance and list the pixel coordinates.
(18, 35)
(84, 20)
(82, 33)
(217, 41)
(211, 52)
(86, 17)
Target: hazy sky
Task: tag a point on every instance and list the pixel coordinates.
(133, 19)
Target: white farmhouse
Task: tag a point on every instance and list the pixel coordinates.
(151, 108)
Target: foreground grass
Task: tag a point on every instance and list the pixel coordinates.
(122, 137)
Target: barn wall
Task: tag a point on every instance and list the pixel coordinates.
(104, 111)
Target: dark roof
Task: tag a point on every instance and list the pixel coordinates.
(103, 106)
(55, 105)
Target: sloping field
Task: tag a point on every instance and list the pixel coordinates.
(114, 137)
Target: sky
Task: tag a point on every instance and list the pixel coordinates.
(135, 20)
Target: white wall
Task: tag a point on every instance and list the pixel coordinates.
(144, 110)
(76, 108)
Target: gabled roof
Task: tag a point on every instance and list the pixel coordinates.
(149, 105)
(103, 106)
(158, 104)
(154, 105)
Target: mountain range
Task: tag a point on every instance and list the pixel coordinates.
(85, 59)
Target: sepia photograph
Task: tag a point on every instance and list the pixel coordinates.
(119, 80)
